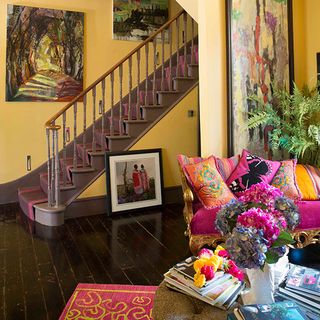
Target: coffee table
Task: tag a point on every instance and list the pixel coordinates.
(172, 305)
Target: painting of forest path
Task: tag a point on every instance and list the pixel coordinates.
(138, 19)
(44, 54)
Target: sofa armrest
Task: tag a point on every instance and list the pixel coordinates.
(188, 198)
(188, 208)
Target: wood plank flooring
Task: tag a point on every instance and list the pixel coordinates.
(41, 266)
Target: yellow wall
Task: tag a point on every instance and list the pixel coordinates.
(191, 6)
(312, 42)
(184, 140)
(299, 41)
(212, 73)
(22, 123)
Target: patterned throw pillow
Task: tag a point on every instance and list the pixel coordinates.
(227, 165)
(308, 181)
(208, 184)
(251, 170)
(285, 179)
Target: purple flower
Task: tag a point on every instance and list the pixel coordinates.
(247, 247)
(254, 222)
(226, 218)
(289, 210)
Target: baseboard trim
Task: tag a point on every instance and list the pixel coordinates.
(97, 205)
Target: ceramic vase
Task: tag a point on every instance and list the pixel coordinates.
(264, 282)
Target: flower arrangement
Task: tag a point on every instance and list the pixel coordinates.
(256, 225)
(209, 262)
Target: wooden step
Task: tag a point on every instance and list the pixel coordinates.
(28, 197)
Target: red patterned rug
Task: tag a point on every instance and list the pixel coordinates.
(110, 302)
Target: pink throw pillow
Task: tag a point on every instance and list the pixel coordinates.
(227, 165)
(208, 184)
(251, 170)
(285, 179)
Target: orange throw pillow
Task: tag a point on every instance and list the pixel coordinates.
(308, 180)
(208, 184)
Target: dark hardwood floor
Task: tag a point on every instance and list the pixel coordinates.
(41, 266)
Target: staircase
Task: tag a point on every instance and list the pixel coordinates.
(142, 98)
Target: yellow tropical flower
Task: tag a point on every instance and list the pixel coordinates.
(216, 262)
(198, 264)
(199, 280)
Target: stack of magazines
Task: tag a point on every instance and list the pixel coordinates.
(284, 310)
(302, 286)
(221, 291)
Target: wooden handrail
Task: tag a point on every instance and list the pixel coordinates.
(49, 124)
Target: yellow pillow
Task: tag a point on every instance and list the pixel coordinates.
(307, 181)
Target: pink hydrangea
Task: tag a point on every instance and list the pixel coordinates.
(261, 193)
(261, 219)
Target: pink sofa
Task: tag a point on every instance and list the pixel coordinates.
(200, 221)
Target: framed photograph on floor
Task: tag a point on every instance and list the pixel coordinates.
(134, 180)
(260, 56)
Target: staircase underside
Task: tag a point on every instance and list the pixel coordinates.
(91, 158)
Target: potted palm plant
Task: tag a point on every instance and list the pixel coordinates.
(294, 119)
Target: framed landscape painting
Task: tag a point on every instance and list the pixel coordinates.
(138, 19)
(44, 54)
(259, 36)
(134, 180)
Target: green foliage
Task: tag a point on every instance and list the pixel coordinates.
(284, 238)
(295, 120)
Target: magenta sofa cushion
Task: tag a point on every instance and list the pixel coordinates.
(310, 214)
(203, 220)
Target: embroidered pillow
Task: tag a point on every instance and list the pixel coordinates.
(285, 179)
(226, 165)
(251, 170)
(308, 181)
(208, 184)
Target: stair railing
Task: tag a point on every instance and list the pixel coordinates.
(110, 122)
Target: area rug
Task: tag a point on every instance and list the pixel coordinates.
(110, 302)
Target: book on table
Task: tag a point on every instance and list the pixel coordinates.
(304, 279)
(284, 310)
(301, 297)
(224, 301)
(302, 286)
(221, 291)
(311, 312)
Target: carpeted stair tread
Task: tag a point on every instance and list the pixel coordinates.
(87, 151)
(30, 196)
(67, 185)
(68, 165)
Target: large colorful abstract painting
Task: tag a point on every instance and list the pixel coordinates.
(138, 19)
(259, 40)
(44, 54)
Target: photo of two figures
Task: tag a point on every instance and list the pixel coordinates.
(135, 180)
